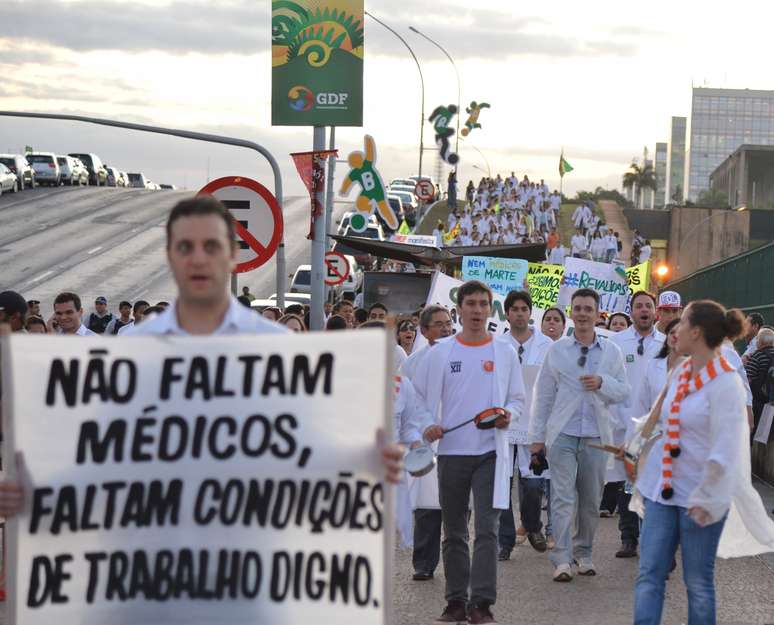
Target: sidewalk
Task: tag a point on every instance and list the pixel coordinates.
(615, 220)
(526, 593)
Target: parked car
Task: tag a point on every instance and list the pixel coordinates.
(355, 278)
(404, 182)
(302, 280)
(97, 171)
(152, 186)
(168, 187)
(72, 171)
(46, 168)
(8, 180)
(344, 223)
(294, 298)
(115, 178)
(406, 199)
(19, 165)
(138, 180)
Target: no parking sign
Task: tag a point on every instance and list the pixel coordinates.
(257, 216)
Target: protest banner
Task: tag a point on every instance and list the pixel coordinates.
(426, 240)
(544, 281)
(607, 280)
(199, 479)
(502, 275)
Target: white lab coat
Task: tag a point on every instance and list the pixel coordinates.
(558, 391)
(508, 394)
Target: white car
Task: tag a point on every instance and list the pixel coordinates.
(293, 298)
(404, 182)
(46, 168)
(354, 279)
(137, 180)
(344, 223)
(302, 280)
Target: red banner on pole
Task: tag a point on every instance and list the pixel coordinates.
(311, 168)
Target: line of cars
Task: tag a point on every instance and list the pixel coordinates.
(26, 171)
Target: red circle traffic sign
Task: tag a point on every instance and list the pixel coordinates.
(257, 217)
(336, 268)
(424, 190)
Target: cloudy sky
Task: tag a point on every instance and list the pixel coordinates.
(599, 78)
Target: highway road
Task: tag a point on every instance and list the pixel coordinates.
(111, 242)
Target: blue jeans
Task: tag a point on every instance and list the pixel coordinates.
(663, 528)
(577, 481)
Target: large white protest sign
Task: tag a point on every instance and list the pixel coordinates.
(502, 275)
(198, 480)
(606, 279)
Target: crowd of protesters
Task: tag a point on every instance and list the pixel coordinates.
(675, 362)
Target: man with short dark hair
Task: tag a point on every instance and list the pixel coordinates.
(460, 378)
(138, 312)
(377, 312)
(124, 319)
(531, 347)
(639, 343)
(98, 320)
(581, 378)
(33, 307)
(13, 310)
(68, 314)
(755, 322)
(344, 307)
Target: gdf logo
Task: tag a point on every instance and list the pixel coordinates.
(332, 100)
(301, 98)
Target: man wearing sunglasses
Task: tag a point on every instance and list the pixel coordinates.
(639, 343)
(579, 384)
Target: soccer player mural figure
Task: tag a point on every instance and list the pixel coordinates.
(441, 118)
(473, 111)
(373, 196)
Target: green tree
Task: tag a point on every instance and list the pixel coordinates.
(639, 178)
(677, 196)
(713, 198)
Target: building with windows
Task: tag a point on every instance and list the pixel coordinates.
(721, 121)
(747, 177)
(660, 170)
(675, 174)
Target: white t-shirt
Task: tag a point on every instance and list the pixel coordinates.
(468, 388)
(578, 244)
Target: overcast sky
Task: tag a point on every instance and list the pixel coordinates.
(599, 78)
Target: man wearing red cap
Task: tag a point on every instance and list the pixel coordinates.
(669, 308)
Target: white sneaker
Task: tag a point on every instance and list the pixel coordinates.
(563, 573)
(585, 566)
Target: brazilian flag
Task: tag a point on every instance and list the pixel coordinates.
(564, 166)
(404, 228)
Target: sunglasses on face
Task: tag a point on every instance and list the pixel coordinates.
(521, 352)
(641, 347)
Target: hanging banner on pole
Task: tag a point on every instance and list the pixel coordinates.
(198, 479)
(317, 63)
(311, 168)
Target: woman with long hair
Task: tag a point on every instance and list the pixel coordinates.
(406, 334)
(697, 470)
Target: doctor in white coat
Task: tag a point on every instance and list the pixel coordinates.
(460, 378)
(639, 344)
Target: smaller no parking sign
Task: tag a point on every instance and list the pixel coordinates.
(257, 216)
(336, 268)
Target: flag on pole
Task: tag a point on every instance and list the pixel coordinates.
(564, 166)
(404, 228)
(452, 234)
(311, 168)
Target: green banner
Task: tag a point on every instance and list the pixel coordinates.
(317, 63)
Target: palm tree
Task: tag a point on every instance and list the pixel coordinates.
(639, 178)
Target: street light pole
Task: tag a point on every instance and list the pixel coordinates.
(459, 84)
(422, 82)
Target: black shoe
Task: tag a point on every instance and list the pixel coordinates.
(504, 554)
(454, 612)
(480, 615)
(538, 541)
(422, 576)
(627, 550)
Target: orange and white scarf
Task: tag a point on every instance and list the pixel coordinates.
(685, 386)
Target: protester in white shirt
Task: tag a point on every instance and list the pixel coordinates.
(68, 315)
(611, 247)
(645, 252)
(698, 480)
(578, 244)
(582, 377)
(531, 347)
(464, 376)
(557, 255)
(435, 325)
(639, 345)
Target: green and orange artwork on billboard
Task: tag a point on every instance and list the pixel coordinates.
(317, 62)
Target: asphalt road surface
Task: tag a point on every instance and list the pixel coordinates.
(110, 242)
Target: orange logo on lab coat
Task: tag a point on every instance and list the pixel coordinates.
(489, 366)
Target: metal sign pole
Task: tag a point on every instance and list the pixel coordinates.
(329, 196)
(317, 316)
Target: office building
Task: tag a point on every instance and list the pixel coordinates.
(675, 173)
(747, 177)
(660, 169)
(721, 121)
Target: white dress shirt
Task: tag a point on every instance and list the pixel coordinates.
(84, 331)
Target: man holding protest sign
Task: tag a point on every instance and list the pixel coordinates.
(460, 379)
